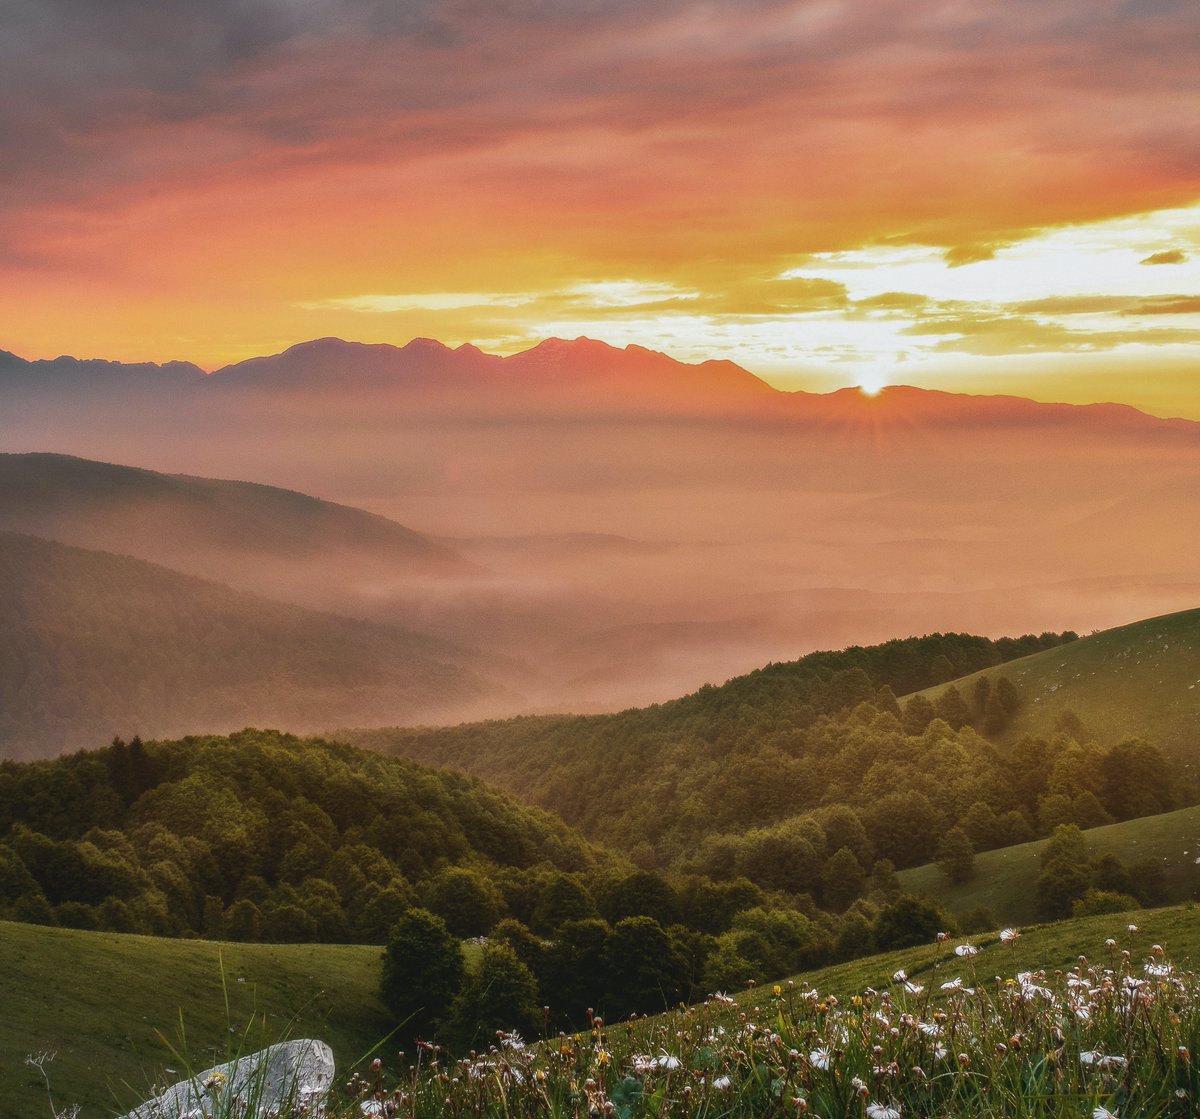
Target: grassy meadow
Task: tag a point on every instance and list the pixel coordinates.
(1140, 680)
(100, 1002)
(1003, 879)
(104, 1002)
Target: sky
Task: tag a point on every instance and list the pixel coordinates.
(980, 197)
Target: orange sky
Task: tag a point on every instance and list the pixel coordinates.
(999, 197)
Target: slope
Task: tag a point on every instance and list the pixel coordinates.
(97, 644)
(1003, 879)
(107, 1005)
(100, 1000)
(721, 759)
(178, 519)
(1140, 680)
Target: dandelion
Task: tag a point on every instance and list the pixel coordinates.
(883, 1110)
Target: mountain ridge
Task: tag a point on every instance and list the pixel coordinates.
(560, 363)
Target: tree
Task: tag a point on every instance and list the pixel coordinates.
(953, 708)
(941, 669)
(918, 714)
(642, 894)
(1006, 693)
(562, 898)
(468, 903)
(643, 972)
(886, 701)
(422, 971)
(980, 696)
(1136, 780)
(956, 856)
(573, 976)
(884, 885)
(910, 921)
(501, 995)
(842, 880)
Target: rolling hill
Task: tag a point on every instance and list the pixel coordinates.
(1003, 879)
(110, 1006)
(1139, 680)
(100, 1001)
(744, 755)
(772, 523)
(97, 644)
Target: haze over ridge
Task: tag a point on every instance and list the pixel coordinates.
(758, 524)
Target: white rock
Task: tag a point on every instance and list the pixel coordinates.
(254, 1086)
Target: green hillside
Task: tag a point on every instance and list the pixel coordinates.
(1003, 879)
(99, 1001)
(98, 644)
(1136, 680)
(265, 837)
(757, 750)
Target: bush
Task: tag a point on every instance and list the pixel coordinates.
(500, 995)
(910, 921)
(1103, 901)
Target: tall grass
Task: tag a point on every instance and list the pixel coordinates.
(968, 1034)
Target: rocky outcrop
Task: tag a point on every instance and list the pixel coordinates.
(292, 1074)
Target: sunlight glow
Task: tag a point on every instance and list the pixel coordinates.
(872, 384)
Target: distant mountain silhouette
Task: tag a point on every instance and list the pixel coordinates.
(184, 521)
(97, 644)
(766, 523)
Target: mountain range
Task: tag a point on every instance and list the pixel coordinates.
(609, 526)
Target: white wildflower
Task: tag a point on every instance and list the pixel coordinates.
(883, 1111)
(821, 1058)
(966, 950)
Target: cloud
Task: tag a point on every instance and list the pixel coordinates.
(1166, 305)
(425, 301)
(996, 335)
(959, 255)
(893, 301)
(1167, 256)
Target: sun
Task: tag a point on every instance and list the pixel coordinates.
(872, 383)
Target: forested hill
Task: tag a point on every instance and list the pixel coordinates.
(98, 644)
(259, 836)
(723, 759)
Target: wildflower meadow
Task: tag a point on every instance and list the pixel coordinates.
(968, 1034)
